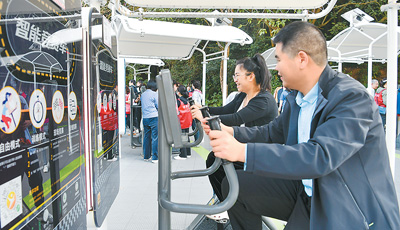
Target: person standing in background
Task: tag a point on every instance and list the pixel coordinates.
(282, 99)
(149, 101)
(197, 96)
(374, 86)
(381, 99)
(185, 118)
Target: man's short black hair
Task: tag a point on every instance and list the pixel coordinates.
(303, 36)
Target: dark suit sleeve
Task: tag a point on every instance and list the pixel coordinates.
(347, 119)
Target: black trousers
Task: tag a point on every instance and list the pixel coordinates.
(185, 152)
(217, 177)
(137, 116)
(263, 196)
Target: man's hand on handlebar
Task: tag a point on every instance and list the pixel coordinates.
(225, 146)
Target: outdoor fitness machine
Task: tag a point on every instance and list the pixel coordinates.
(170, 135)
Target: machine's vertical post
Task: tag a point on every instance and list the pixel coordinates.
(164, 172)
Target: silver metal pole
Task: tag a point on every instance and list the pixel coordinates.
(148, 73)
(204, 75)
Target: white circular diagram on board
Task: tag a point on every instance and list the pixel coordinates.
(99, 102)
(110, 102)
(37, 108)
(10, 108)
(57, 107)
(105, 102)
(72, 105)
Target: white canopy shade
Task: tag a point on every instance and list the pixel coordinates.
(269, 56)
(167, 40)
(144, 61)
(230, 4)
(72, 35)
(354, 42)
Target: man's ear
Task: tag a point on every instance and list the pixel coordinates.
(304, 59)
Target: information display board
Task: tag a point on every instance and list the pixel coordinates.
(105, 138)
(42, 182)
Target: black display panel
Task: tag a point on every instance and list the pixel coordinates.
(42, 182)
(105, 138)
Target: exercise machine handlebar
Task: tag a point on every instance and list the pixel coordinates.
(214, 123)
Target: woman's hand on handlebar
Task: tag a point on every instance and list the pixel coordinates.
(205, 126)
(196, 113)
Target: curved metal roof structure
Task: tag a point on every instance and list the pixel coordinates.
(230, 4)
(167, 40)
(362, 41)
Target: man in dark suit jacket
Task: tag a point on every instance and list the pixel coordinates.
(322, 164)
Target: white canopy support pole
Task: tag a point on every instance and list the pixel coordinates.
(148, 73)
(134, 74)
(134, 71)
(225, 73)
(121, 95)
(203, 99)
(203, 90)
(392, 17)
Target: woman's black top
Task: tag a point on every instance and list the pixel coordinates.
(260, 110)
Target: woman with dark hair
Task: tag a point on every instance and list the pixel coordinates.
(185, 119)
(149, 101)
(254, 105)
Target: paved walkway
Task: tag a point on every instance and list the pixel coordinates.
(136, 205)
